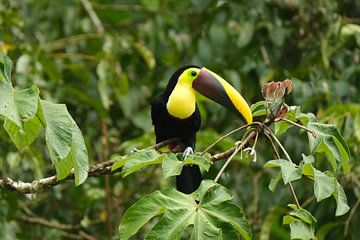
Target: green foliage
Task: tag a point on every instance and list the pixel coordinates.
(111, 78)
(25, 113)
(170, 163)
(208, 210)
(301, 222)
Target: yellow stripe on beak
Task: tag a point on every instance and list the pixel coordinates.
(217, 89)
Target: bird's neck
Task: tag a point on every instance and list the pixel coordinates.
(181, 103)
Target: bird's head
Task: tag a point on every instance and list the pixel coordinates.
(214, 87)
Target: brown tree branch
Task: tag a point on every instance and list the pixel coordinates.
(100, 169)
(35, 186)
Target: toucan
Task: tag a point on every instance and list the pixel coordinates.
(175, 114)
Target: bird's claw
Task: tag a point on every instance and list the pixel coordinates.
(187, 152)
(134, 150)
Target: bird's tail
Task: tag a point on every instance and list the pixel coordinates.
(189, 180)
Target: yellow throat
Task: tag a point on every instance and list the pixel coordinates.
(182, 101)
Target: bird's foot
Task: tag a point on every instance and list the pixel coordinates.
(134, 150)
(187, 152)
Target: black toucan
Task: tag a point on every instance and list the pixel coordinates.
(175, 114)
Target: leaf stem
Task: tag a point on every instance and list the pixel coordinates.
(228, 134)
(273, 145)
(299, 126)
(289, 158)
(237, 149)
(348, 220)
(279, 144)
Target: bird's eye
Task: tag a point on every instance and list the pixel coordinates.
(193, 73)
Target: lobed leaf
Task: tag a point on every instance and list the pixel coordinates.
(290, 172)
(208, 210)
(139, 160)
(301, 223)
(329, 140)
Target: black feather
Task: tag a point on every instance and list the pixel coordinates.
(167, 127)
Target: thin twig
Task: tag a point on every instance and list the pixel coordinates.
(94, 17)
(308, 201)
(51, 223)
(159, 145)
(237, 149)
(273, 145)
(298, 125)
(289, 158)
(255, 142)
(280, 145)
(348, 220)
(225, 136)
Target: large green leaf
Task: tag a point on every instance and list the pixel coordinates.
(58, 129)
(208, 210)
(290, 172)
(65, 142)
(329, 141)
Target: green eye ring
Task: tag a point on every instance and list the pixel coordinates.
(193, 73)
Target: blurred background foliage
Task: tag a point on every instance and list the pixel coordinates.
(108, 73)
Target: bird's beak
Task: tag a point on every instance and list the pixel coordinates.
(217, 89)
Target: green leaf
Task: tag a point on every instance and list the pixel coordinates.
(290, 172)
(58, 129)
(342, 207)
(18, 105)
(5, 69)
(139, 160)
(171, 165)
(323, 185)
(302, 214)
(329, 140)
(80, 155)
(281, 127)
(199, 160)
(208, 210)
(25, 136)
(275, 179)
(15, 105)
(258, 109)
(300, 230)
(301, 223)
(65, 142)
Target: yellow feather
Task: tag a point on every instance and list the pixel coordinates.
(182, 101)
